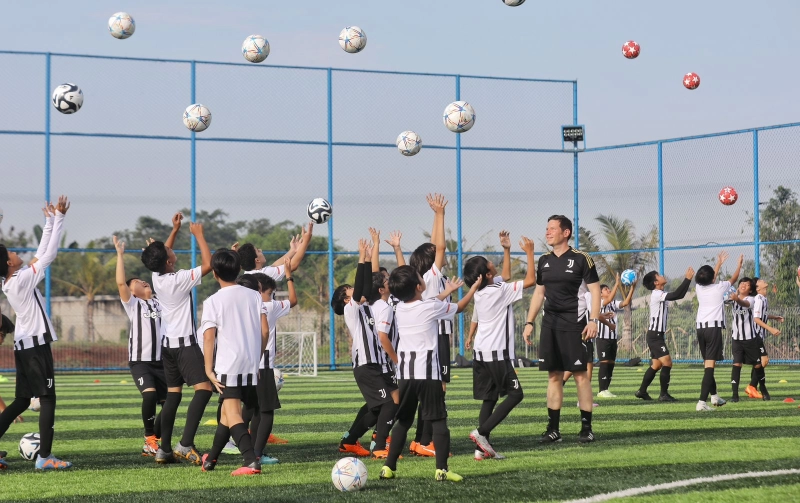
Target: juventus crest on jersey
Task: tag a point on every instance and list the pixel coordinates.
(744, 327)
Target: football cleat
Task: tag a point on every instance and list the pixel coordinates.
(442, 475)
(427, 451)
(3, 464)
(717, 401)
(606, 394)
(482, 443)
(479, 455)
(275, 440)
(208, 465)
(666, 397)
(765, 395)
(150, 447)
(230, 448)
(387, 473)
(498, 456)
(165, 458)
(734, 399)
(643, 395)
(3, 454)
(253, 468)
(51, 463)
(752, 392)
(355, 448)
(412, 447)
(550, 437)
(190, 454)
(266, 460)
(703, 407)
(586, 437)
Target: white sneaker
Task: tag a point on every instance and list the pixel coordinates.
(230, 448)
(482, 443)
(716, 401)
(606, 394)
(703, 407)
(498, 456)
(479, 455)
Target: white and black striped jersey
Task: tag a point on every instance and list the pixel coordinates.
(275, 310)
(33, 326)
(275, 272)
(760, 311)
(177, 314)
(711, 307)
(418, 328)
(360, 322)
(494, 339)
(659, 308)
(744, 328)
(383, 314)
(145, 334)
(603, 330)
(435, 282)
(235, 312)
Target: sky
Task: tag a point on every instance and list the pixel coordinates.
(744, 53)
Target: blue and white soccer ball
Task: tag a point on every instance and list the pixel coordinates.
(68, 98)
(319, 210)
(627, 277)
(352, 39)
(279, 380)
(513, 3)
(459, 116)
(409, 143)
(29, 446)
(349, 474)
(255, 48)
(726, 297)
(121, 25)
(197, 117)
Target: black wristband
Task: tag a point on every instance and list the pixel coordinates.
(529, 323)
(289, 279)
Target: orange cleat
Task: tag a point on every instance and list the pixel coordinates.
(427, 451)
(276, 440)
(251, 469)
(382, 454)
(752, 392)
(150, 447)
(412, 448)
(355, 448)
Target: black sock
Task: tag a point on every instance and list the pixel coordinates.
(665, 372)
(399, 435)
(221, 436)
(255, 424)
(762, 380)
(487, 407)
(427, 433)
(168, 413)
(441, 439)
(219, 412)
(705, 386)
(753, 377)
(713, 387)
(500, 413)
(247, 416)
(157, 424)
(7, 417)
(602, 376)
(553, 419)
(244, 442)
(193, 416)
(357, 430)
(356, 424)
(385, 423)
(47, 418)
(149, 404)
(649, 375)
(586, 420)
(265, 421)
(564, 382)
(610, 371)
(736, 376)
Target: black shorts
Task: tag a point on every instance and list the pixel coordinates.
(247, 394)
(444, 356)
(590, 350)
(606, 349)
(35, 374)
(425, 392)
(710, 341)
(747, 352)
(657, 345)
(761, 346)
(149, 375)
(373, 386)
(561, 350)
(184, 365)
(491, 380)
(390, 378)
(267, 391)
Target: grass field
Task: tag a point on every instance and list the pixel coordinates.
(99, 429)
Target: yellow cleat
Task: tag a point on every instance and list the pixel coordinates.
(386, 473)
(442, 475)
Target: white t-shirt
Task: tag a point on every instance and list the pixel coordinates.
(175, 294)
(145, 334)
(710, 309)
(275, 272)
(275, 310)
(434, 285)
(418, 329)
(494, 339)
(235, 311)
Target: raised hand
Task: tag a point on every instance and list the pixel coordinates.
(148, 242)
(235, 246)
(196, 228)
(176, 220)
(741, 260)
(394, 239)
(453, 284)
(368, 251)
(722, 257)
(689, 273)
(526, 244)
(294, 244)
(362, 246)
(505, 239)
(119, 245)
(287, 267)
(376, 236)
(62, 206)
(437, 202)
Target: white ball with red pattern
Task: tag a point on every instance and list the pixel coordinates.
(630, 49)
(728, 196)
(691, 81)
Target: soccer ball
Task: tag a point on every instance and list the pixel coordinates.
(627, 277)
(726, 297)
(353, 39)
(409, 143)
(728, 196)
(513, 3)
(319, 210)
(278, 379)
(630, 49)
(121, 25)
(255, 49)
(349, 474)
(29, 446)
(197, 117)
(691, 81)
(459, 116)
(35, 405)
(68, 98)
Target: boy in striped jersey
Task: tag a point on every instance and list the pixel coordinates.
(746, 345)
(606, 340)
(761, 317)
(34, 333)
(659, 308)
(144, 348)
(253, 260)
(419, 369)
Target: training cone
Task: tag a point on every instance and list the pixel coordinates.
(639, 370)
(783, 381)
(456, 377)
(123, 382)
(97, 381)
(211, 422)
(3, 379)
(789, 400)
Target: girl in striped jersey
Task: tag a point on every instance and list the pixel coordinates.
(761, 316)
(746, 347)
(606, 340)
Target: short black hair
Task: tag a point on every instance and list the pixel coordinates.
(704, 275)
(649, 280)
(226, 264)
(247, 254)
(154, 257)
(383, 269)
(130, 280)
(378, 279)
(563, 222)
(337, 299)
(474, 267)
(423, 258)
(266, 282)
(248, 281)
(752, 283)
(403, 282)
(3, 261)
(604, 286)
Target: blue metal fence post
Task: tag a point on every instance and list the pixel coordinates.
(660, 209)
(193, 177)
(756, 204)
(576, 229)
(458, 223)
(47, 91)
(331, 283)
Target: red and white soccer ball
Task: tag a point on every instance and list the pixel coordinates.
(728, 196)
(691, 81)
(630, 49)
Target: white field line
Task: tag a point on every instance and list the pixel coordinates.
(636, 491)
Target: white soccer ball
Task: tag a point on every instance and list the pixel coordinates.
(255, 48)
(409, 143)
(29, 446)
(349, 474)
(121, 25)
(278, 379)
(353, 39)
(319, 210)
(68, 98)
(459, 116)
(35, 405)
(513, 3)
(197, 117)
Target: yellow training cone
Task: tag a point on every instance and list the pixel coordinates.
(123, 382)
(211, 422)
(783, 381)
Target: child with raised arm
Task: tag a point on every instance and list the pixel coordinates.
(33, 334)
(606, 340)
(761, 316)
(253, 260)
(145, 337)
(746, 344)
(181, 354)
